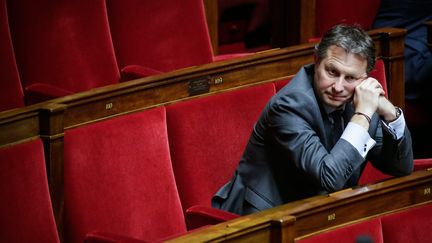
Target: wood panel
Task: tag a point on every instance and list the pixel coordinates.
(314, 215)
(429, 33)
(216, 77)
(211, 10)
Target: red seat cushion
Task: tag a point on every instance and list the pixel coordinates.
(207, 137)
(411, 225)
(118, 179)
(370, 229)
(332, 12)
(63, 43)
(160, 35)
(11, 95)
(26, 213)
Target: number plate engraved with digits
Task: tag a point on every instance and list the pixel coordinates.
(199, 86)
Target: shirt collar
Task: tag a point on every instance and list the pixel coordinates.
(329, 109)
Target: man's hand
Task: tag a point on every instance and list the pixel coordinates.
(386, 109)
(367, 95)
(366, 101)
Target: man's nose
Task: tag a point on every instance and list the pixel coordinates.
(338, 84)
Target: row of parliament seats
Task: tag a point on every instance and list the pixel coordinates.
(387, 228)
(138, 180)
(56, 48)
(396, 210)
(247, 25)
(141, 159)
(137, 173)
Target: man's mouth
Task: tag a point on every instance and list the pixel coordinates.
(336, 97)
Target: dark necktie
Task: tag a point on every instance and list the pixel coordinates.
(337, 126)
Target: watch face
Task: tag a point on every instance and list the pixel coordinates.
(398, 112)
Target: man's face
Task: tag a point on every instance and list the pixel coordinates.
(337, 75)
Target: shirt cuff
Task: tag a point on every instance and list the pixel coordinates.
(396, 128)
(358, 137)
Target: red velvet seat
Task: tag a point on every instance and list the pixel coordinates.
(411, 225)
(332, 12)
(152, 37)
(118, 179)
(61, 47)
(370, 229)
(370, 174)
(26, 213)
(207, 137)
(11, 95)
(159, 35)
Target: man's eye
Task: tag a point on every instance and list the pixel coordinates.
(351, 79)
(331, 72)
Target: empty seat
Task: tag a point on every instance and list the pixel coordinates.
(25, 204)
(161, 35)
(411, 225)
(152, 37)
(369, 231)
(11, 95)
(207, 137)
(332, 12)
(62, 47)
(118, 179)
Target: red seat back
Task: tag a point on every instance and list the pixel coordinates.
(163, 35)
(370, 174)
(62, 44)
(351, 233)
(207, 138)
(118, 178)
(412, 225)
(332, 12)
(11, 95)
(26, 213)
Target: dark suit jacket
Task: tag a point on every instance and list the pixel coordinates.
(411, 15)
(290, 155)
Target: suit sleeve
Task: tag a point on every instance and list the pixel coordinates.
(297, 130)
(391, 155)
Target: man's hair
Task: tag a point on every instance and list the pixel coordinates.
(352, 38)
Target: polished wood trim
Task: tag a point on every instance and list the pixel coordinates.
(391, 50)
(109, 101)
(19, 125)
(293, 22)
(429, 33)
(321, 213)
(52, 133)
(212, 16)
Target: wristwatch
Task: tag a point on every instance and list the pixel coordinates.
(398, 113)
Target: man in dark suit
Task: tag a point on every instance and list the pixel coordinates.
(411, 15)
(316, 134)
